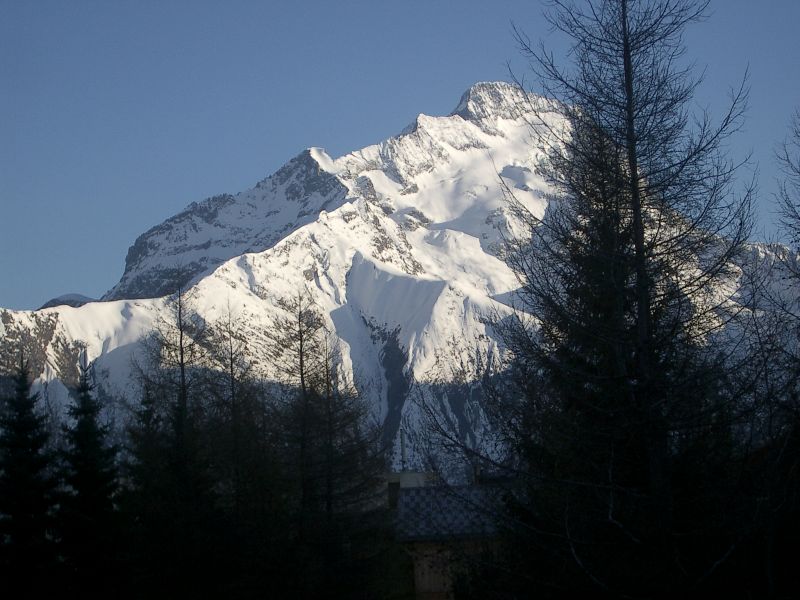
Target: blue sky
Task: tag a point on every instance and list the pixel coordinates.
(116, 115)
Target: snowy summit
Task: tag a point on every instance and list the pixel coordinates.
(398, 243)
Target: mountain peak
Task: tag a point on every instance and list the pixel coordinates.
(497, 99)
(74, 300)
(197, 240)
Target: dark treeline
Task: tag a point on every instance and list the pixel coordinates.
(223, 487)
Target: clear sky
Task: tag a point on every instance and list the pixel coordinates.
(116, 115)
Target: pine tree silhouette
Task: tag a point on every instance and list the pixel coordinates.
(27, 491)
(88, 517)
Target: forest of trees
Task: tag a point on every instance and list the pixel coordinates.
(223, 487)
(646, 421)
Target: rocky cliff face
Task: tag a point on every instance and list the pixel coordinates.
(194, 242)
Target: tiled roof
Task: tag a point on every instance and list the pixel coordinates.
(442, 512)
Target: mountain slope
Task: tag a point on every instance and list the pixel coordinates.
(194, 242)
(399, 245)
(206, 233)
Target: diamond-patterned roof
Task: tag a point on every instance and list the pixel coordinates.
(441, 512)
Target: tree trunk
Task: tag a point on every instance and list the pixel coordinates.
(656, 439)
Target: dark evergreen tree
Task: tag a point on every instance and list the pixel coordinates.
(88, 520)
(144, 500)
(296, 353)
(236, 418)
(28, 490)
(622, 424)
(171, 497)
(775, 465)
(245, 466)
(331, 455)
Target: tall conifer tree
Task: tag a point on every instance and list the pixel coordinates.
(27, 491)
(88, 520)
(625, 430)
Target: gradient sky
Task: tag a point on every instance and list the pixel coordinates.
(116, 115)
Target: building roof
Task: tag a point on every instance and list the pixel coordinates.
(439, 513)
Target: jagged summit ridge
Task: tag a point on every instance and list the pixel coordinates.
(194, 242)
(493, 100)
(202, 236)
(398, 244)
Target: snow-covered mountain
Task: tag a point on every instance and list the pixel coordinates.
(206, 234)
(398, 243)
